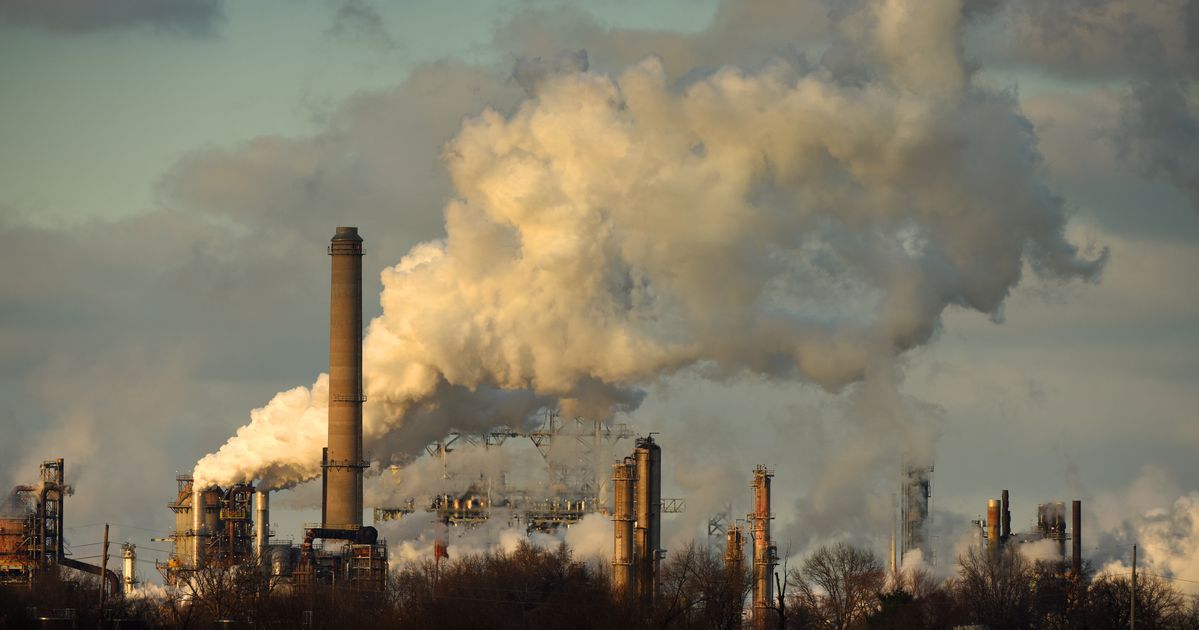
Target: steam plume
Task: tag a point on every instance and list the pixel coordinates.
(793, 222)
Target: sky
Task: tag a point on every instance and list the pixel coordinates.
(830, 235)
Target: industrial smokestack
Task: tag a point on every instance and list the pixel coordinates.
(734, 566)
(1076, 539)
(623, 474)
(262, 526)
(1006, 531)
(648, 503)
(197, 526)
(993, 523)
(764, 554)
(343, 466)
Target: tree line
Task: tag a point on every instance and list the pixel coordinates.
(836, 587)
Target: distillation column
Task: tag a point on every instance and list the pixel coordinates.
(129, 568)
(764, 552)
(623, 474)
(343, 468)
(648, 503)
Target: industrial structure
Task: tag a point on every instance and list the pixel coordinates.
(915, 493)
(213, 525)
(212, 529)
(734, 562)
(32, 523)
(624, 474)
(575, 452)
(996, 529)
(636, 522)
(765, 553)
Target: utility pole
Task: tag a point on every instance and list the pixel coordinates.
(103, 572)
(1132, 611)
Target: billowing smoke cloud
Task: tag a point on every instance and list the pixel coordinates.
(194, 16)
(798, 223)
(1167, 542)
(1160, 128)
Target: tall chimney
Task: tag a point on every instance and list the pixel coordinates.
(343, 468)
(262, 525)
(1006, 531)
(648, 503)
(764, 554)
(623, 474)
(1076, 539)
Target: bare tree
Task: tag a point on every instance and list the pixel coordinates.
(698, 591)
(999, 586)
(1159, 603)
(839, 585)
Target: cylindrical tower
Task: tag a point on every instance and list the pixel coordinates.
(129, 562)
(262, 526)
(1076, 538)
(648, 503)
(343, 468)
(993, 520)
(197, 508)
(764, 553)
(734, 551)
(623, 579)
(734, 566)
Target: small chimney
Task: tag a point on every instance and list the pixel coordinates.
(1006, 532)
(262, 526)
(1076, 539)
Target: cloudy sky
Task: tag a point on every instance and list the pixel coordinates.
(838, 232)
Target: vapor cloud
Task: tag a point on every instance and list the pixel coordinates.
(615, 229)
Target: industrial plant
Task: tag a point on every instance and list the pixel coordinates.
(586, 471)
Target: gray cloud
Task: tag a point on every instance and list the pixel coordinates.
(194, 16)
(358, 20)
(1160, 130)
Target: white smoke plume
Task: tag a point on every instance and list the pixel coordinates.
(796, 222)
(1167, 542)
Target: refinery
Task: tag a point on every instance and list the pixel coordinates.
(589, 468)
